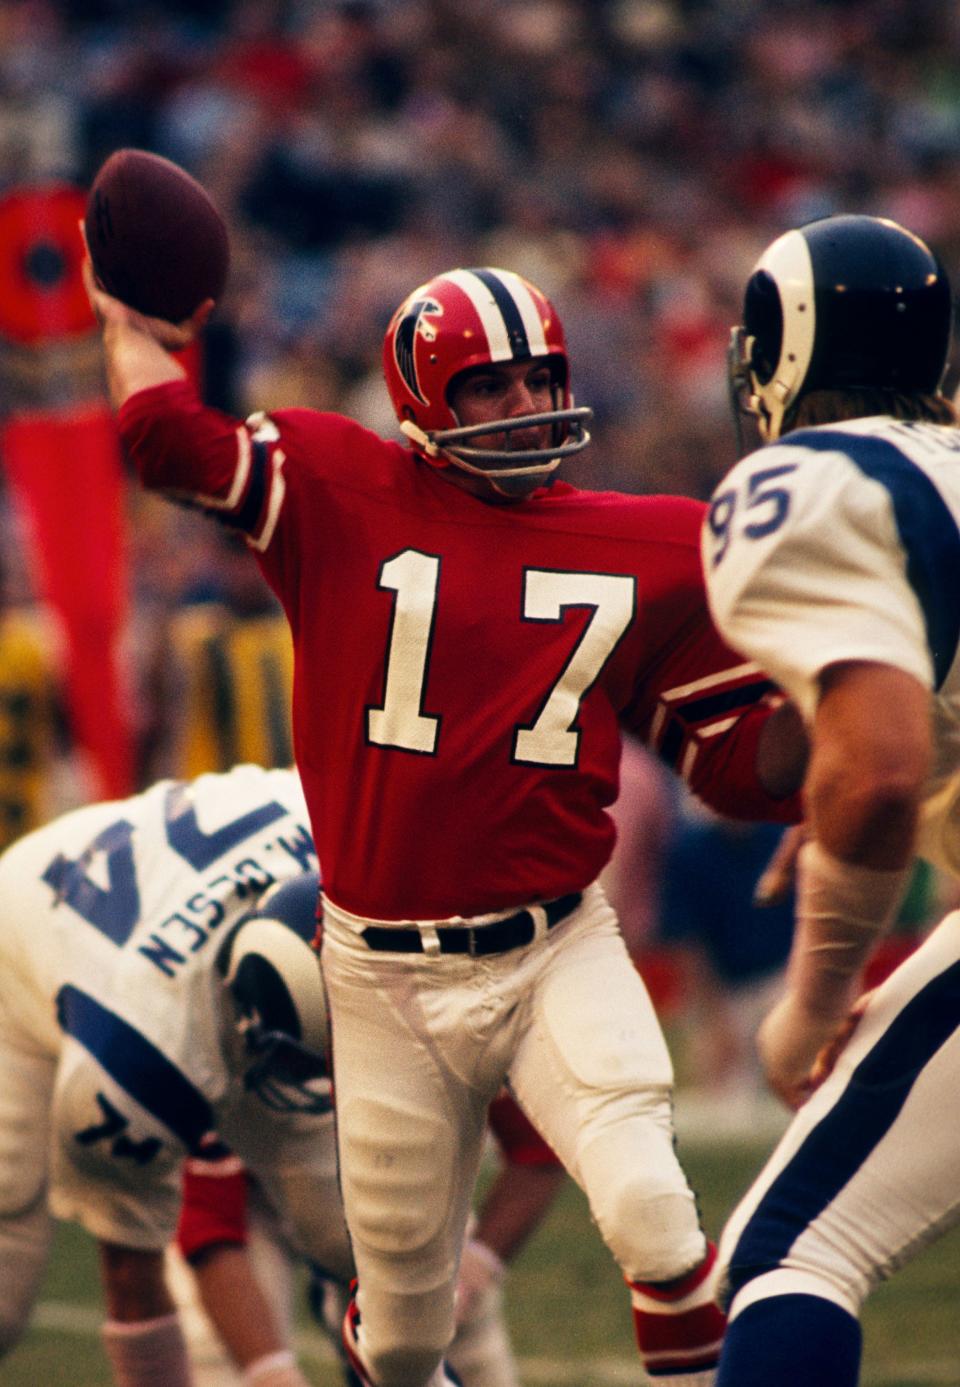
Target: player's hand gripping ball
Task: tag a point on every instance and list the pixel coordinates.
(157, 242)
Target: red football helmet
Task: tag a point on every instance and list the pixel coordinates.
(468, 318)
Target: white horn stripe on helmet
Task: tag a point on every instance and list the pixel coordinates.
(848, 304)
(788, 260)
(506, 310)
(272, 974)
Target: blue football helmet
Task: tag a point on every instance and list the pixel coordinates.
(273, 976)
(843, 303)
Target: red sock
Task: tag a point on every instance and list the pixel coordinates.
(679, 1326)
(351, 1323)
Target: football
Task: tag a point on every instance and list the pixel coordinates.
(157, 241)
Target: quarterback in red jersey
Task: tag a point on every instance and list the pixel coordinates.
(470, 637)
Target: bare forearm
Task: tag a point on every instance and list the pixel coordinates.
(842, 909)
(869, 826)
(142, 1336)
(134, 1283)
(135, 361)
(515, 1205)
(871, 740)
(236, 1305)
(137, 349)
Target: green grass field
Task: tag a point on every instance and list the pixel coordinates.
(567, 1306)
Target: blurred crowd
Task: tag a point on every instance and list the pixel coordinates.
(630, 156)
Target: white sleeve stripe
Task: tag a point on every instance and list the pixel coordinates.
(710, 681)
(277, 492)
(693, 746)
(240, 478)
(713, 729)
(709, 729)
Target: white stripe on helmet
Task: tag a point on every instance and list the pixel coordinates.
(788, 261)
(487, 310)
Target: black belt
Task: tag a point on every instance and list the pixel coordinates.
(496, 938)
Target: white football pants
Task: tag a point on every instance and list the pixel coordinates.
(868, 1172)
(481, 1351)
(421, 1044)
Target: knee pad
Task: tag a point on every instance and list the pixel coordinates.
(654, 1234)
(640, 1198)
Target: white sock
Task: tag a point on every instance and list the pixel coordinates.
(274, 1370)
(147, 1353)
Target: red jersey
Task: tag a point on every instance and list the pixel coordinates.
(462, 669)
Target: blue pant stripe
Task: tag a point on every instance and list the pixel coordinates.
(844, 1138)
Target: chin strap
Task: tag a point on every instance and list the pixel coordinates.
(424, 443)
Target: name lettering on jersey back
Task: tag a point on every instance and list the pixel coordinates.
(932, 438)
(301, 849)
(102, 885)
(186, 930)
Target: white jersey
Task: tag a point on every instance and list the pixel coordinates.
(110, 922)
(842, 542)
(116, 910)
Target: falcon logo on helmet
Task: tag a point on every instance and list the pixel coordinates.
(844, 303)
(415, 320)
(469, 318)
